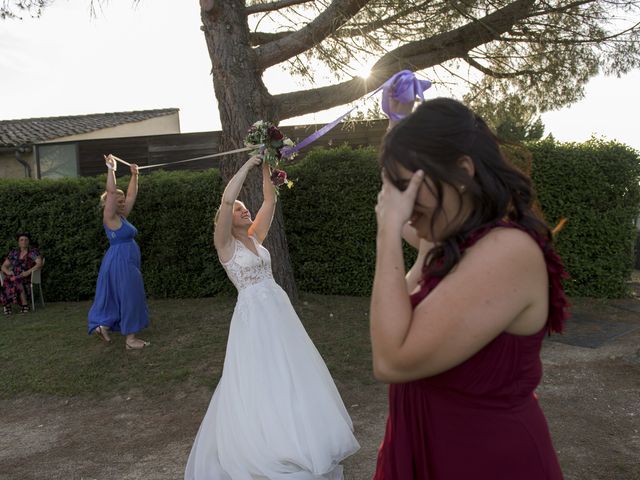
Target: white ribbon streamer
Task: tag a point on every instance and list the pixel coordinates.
(230, 152)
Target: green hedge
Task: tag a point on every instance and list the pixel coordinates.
(329, 219)
(596, 186)
(63, 218)
(331, 222)
(173, 215)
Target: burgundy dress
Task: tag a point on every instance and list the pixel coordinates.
(481, 419)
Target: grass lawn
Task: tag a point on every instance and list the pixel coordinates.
(74, 407)
(48, 351)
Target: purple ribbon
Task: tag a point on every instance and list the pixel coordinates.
(289, 151)
(403, 87)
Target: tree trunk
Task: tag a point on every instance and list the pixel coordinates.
(242, 100)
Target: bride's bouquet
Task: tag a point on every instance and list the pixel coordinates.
(270, 141)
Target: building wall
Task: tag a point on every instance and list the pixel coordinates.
(130, 143)
(157, 149)
(166, 124)
(150, 150)
(10, 168)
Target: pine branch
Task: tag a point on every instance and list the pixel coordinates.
(416, 55)
(260, 38)
(492, 73)
(273, 6)
(324, 25)
(381, 22)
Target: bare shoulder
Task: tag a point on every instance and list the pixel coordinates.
(506, 258)
(508, 245)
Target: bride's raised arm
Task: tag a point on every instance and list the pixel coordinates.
(264, 217)
(222, 238)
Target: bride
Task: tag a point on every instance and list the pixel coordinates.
(276, 413)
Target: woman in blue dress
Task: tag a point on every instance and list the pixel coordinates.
(119, 304)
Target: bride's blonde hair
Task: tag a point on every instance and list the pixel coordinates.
(103, 197)
(217, 215)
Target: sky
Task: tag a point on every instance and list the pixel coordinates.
(154, 56)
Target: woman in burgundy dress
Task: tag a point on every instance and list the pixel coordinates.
(460, 347)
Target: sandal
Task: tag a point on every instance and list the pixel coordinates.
(24, 308)
(100, 333)
(7, 310)
(134, 347)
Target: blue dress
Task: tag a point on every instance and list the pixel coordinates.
(120, 302)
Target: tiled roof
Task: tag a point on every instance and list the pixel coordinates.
(36, 130)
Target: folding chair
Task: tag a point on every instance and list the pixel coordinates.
(36, 279)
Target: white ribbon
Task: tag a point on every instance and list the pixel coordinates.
(238, 150)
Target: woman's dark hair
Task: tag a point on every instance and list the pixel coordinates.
(24, 234)
(434, 138)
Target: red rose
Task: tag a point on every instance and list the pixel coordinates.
(274, 133)
(278, 177)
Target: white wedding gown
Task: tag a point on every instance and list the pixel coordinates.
(276, 413)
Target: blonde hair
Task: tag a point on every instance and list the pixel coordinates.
(217, 215)
(103, 197)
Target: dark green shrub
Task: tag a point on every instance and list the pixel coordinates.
(596, 186)
(64, 220)
(329, 218)
(173, 214)
(638, 251)
(331, 222)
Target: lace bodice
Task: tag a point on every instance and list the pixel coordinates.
(245, 268)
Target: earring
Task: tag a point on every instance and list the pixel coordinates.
(462, 188)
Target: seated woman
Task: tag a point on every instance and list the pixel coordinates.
(17, 268)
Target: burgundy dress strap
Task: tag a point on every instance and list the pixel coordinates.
(558, 304)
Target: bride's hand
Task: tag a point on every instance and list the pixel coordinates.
(253, 162)
(401, 109)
